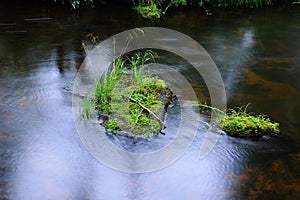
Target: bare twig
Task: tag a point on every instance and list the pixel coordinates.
(85, 48)
(149, 111)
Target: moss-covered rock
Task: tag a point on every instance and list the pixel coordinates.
(144, 111)
(239, 123)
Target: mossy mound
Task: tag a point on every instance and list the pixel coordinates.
(128, 99)
(245, 125)
(143, 112)
(240, 123)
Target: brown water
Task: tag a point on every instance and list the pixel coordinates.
(42, 157)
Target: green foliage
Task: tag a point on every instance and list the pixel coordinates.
(129, 96)
(155, 8)
(158, 8)
(245, 124)
(239, 122)
(112, 125)
(138, 120)
(137, 64)
(102, 92)
(105, 86)
(146, 94)
(147, 9)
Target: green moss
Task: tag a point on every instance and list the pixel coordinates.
(238, 122)
(248, 125)
(135, 118)
(132, 98)
(112, 125)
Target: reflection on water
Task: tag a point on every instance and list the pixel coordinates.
(41, 154)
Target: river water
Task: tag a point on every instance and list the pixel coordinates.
(42, 156)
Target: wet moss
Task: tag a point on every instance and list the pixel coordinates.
(241, 123)
(244, 124)
(140, 113)
(130, 98)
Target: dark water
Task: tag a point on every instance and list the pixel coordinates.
(42, 157)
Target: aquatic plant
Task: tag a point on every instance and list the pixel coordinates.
(239, 122)
(158, 8)
(104, 87)
(147, 9)
(130, 97)
(112, 125)
(137, 64)
(141, 113)
(87, 105)
(155, 8)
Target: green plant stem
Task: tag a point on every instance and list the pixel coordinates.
(168, 6)
(209, 107)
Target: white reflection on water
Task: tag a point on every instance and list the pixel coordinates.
(236, 55)
(247, 40)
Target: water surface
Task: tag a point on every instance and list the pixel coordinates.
(42, 157)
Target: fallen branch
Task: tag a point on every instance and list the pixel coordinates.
(149, 111)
